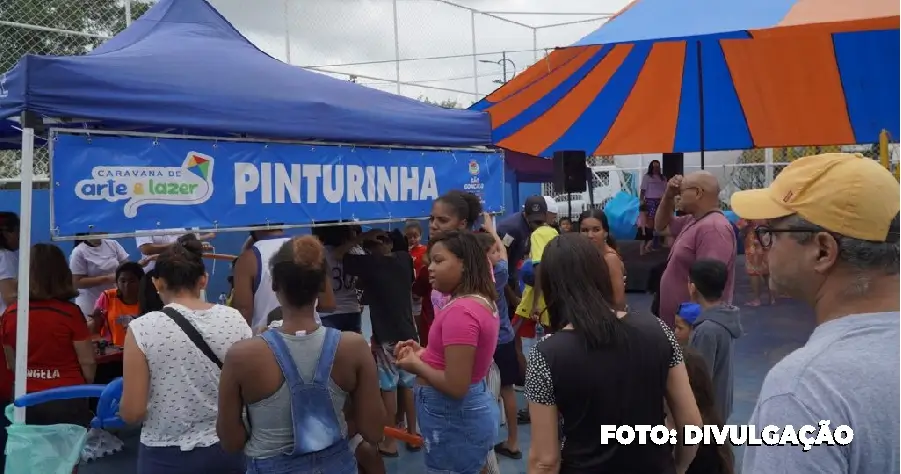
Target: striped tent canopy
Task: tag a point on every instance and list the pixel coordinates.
(755, 73)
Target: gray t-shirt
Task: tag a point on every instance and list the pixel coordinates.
(847, 374)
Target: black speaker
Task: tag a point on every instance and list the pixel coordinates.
(569, 171)
(672, 164)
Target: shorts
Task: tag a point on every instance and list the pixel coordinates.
(390, 377)
(508, 364)
(351, 322)
(528, 328)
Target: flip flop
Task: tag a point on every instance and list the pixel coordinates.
(506, 452)
(411, 448)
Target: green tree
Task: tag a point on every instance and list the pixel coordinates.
(60, 27)
(447, 103)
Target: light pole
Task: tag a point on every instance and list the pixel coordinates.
(503, 64)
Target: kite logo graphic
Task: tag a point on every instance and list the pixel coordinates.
(3, 92)
(185, 185)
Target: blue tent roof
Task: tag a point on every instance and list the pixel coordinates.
(183, 66)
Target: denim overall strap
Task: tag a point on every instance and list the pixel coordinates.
(327, 356)
(284, 359)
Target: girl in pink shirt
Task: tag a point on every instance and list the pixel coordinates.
(458, 416)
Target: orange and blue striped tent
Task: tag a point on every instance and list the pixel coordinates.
(668, 76)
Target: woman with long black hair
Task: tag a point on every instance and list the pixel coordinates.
(601, 367)
(593, 223)
(458, 415)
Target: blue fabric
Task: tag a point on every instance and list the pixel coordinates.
(319, 444)
(501, 277)
(659, 19)
(866, 72)
(551, 99)
(183, 66)
(457, 434)
(591, 128)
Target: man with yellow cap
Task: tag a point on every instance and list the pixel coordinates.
(832, 234)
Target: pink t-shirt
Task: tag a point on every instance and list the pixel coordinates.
(711, 237)
(465, 321)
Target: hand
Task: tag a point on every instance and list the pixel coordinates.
(110, 279)
(410, 360)
(536, 314)
(674, 185)
(144, 261)
(488, 223)
(402, 348)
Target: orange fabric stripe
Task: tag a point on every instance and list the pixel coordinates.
(533, 73)
(647, 121)
(790, 91)
(831, 11)
(542, 133)
(502, 112)
(870, 24)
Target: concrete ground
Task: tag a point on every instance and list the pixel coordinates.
(771, 332)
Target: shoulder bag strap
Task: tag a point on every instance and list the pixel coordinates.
(192, 334)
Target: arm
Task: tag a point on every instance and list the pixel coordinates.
(455, 379)
(368, 409)
(615, 268)
(786, 409)
(681, 402)
(84, 347)
(643, 189)
(229, 422)
(327, 302)
(121, 254)
(667, 207)
(340, 251)
(460, 337)
(135, 383)
(544, 452)
(9, 290)
(490, 228)
(244, 274)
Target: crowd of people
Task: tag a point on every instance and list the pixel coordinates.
(282, 379)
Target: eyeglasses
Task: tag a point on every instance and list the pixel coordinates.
(765, 233)
(691, 188)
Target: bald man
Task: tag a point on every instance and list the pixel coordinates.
(702, 233)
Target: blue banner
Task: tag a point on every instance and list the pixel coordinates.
(113, 184)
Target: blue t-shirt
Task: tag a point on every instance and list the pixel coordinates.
(501, 275)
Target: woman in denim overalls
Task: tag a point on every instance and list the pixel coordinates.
(458, 416)
(296, 379)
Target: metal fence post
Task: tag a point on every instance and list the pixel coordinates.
(127, 13)
(534, 45)
(396, 47)
(287, 33)
(768, 166)
(475, 57)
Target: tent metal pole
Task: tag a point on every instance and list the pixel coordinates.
(26, 177)
(396, 47)
(701, 101)
(127, 13)
(535, 45)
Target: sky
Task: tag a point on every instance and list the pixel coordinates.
(338, 35)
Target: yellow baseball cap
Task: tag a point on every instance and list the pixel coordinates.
(841, 192)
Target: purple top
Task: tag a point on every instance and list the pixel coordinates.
(653, 186)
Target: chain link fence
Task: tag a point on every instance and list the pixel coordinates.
(736, 170)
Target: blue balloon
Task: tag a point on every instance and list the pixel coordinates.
(107, 415)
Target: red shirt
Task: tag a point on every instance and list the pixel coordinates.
(418, 252)
(52, 328)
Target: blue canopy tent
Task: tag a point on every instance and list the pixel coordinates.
(183, 68)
